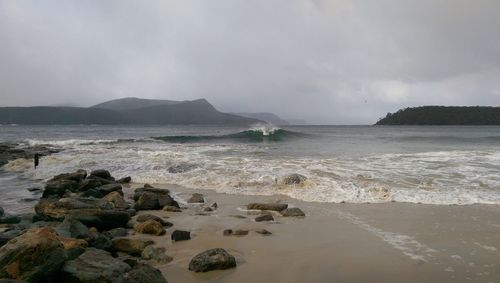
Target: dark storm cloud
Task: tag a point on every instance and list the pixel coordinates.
(324, 61)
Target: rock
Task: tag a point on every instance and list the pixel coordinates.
(100, 218)
(164, 200)
(214, 206)
(181, 168)
(179, 235)
(144, 273)
(101, 173)
(196, 198)
(88, 184)
(100, 241)
(131, 246)
(264, 217)
(33, 256)
(117, 232)
(147, 201)
(263, 232)
(148, 188)
(214, 259)
(59, 187)
(150, 227)
(94, 266)
(106, 189)
(76, 176)
(208, 209)
(146, 217)
(117, 200)
(72, 228)
(8, 235)
(92, 193)
(171, 208)
(267, 206)
(73, 247)
(294, 179)
(156, 254)
(103, 181)
(10, 219)
(292, 212)
(124, 180)
(229, 232)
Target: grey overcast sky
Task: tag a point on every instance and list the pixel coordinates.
(324, 61)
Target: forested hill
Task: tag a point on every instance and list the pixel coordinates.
(443, 115)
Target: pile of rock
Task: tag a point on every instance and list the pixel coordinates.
(281, 208)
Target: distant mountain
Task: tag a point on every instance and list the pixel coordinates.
(132, 111)
(266, 117)
(443, 115)
(133, 103)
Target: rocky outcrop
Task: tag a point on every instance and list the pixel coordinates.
(214, 259)
(33, 256)
(94, 266)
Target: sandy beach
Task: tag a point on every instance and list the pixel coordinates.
(391, 242)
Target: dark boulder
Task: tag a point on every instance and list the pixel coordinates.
(124, 180)
(117, 200)
(72, 228)
(213, 259)
(139, 191)
(59, 187)
(147, 201)
(263, 232)
(101, 173)
(10, 219)
(179, 235)
(94, 265)
(292, 212)
(92, 193)
(156, 254)
(143, 273)
(76, 176)
(100, 218)
(106, 189)
(267, 206)
(8, 235)
(181, 168)
(89, 184)
(117, 232)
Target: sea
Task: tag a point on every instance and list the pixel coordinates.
(355, 164)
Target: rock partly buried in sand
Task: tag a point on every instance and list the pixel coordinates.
(264, 217)
(229, 232)
(153, 201)
(149, 227)
(170, 208)
(196, 198)
(94, 266)
(146, 217)
(148, 188)
(131, 246)
(263, 232)
(179, 235)
(267, 206)
(214, 259)
(156, 254)
(143, 273)
(33, 256)
(294, 179)
(292, 212)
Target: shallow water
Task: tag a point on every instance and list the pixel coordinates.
(439, 165)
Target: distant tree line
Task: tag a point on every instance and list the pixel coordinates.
(443, 115)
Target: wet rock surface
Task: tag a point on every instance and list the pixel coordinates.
(213, 259)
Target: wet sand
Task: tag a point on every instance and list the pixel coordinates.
(391, 242)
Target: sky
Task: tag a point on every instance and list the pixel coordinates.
(325, 62)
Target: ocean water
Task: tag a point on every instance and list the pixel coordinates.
(436, 165)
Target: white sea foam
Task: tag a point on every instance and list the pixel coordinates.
(451, 177)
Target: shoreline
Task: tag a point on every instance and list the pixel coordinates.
(343, 242)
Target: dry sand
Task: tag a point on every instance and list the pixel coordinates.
(391, 242)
